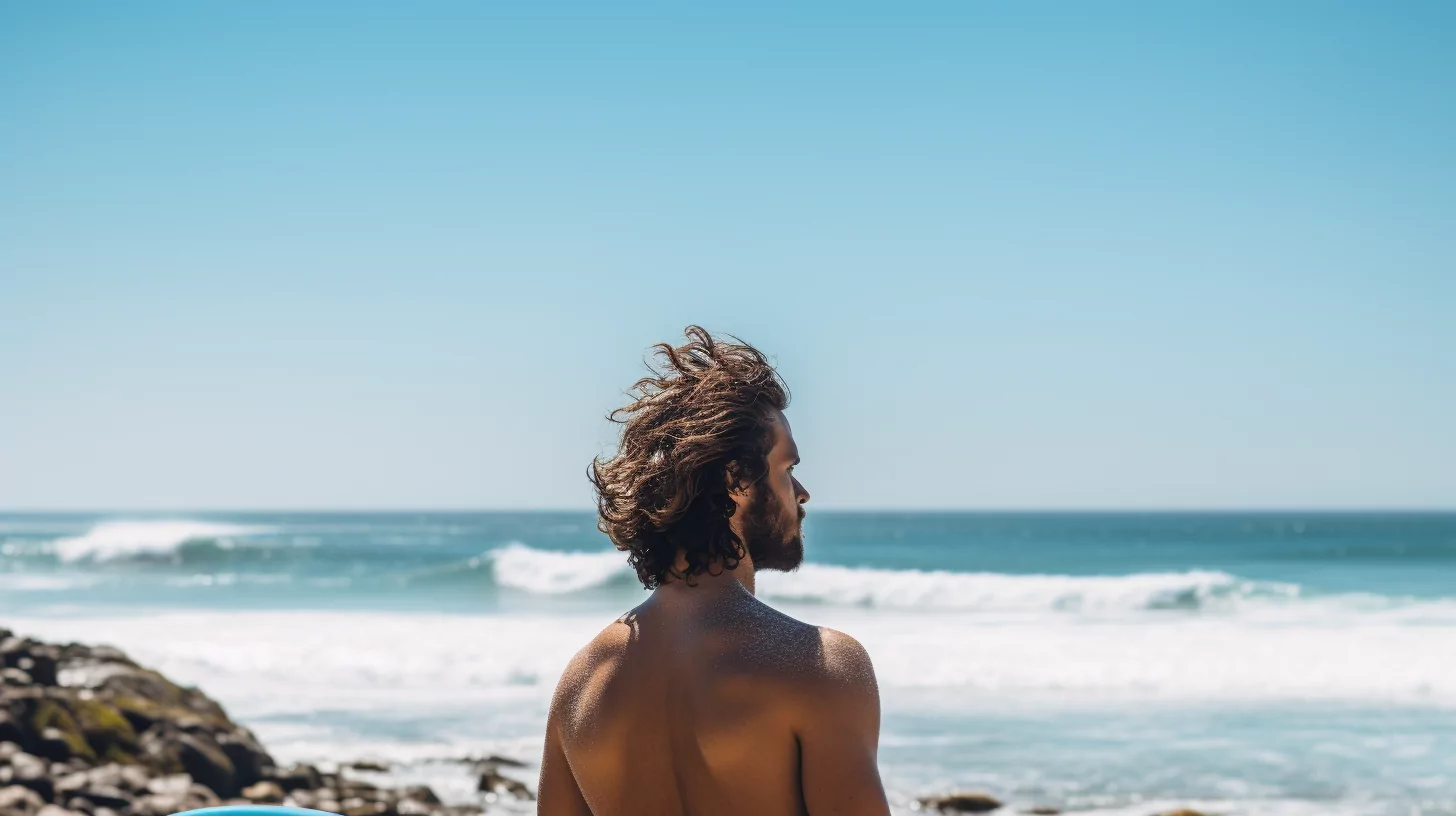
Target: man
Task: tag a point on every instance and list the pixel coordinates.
(704, 700)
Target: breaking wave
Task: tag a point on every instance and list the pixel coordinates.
(554, 573)
(116, 540)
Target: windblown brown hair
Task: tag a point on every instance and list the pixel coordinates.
(703, 417)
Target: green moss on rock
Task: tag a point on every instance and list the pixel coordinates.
(106, 729)
(52, 714)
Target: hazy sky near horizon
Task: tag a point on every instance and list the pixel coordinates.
(1007, 255)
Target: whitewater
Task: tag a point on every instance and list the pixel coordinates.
(1255, 663)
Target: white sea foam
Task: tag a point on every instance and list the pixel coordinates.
(127, 539)
(547, 572)
(40, 582)
(995, 592)
(279, 662)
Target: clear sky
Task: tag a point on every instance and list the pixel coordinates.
(1007, 255)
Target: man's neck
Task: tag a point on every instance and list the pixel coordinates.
(714, 581)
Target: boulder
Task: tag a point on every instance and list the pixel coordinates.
(265, 792)
(298, 777)
(106, 796)
(42, 664)
(30, 771)
(53, 745)
(10, 730)
(203, 759)
(973, 802)
(250, 761)
(491, 781)
(20, 801)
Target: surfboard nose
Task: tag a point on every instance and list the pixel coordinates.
(254, 810)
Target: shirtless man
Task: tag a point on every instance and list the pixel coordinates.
(704, 700)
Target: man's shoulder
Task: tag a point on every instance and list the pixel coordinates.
(602, 651)
(814, 657)
(843, 661)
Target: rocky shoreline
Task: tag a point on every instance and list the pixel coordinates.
(86, 731)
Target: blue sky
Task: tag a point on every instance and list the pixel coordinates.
(1007, 255)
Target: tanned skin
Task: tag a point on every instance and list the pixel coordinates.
(704, 700)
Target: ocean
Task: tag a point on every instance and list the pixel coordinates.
(1119, 664)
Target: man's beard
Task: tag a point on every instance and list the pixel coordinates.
(772, 543)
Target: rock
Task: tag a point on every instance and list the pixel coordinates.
(412, 807)
(174, 785)
(54, 810)
(106, 796)
(302, 798)
(1043, 811)
(247, 756)
(205, 761)
(298, 777)
(491, 781)
(109, 733)
(31, 772)
(154, 804)
(1183, 812)
(356, 806)
(174, 795)
(10, 731)
(43, 663)
(51, 719)
(71, 783)
(134, 778)
(420, 793)
(202, 796)
(266, 792)
(118, 739)
(962, 803)
(53, 745)
(20, 801)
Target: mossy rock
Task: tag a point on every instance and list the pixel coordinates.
(106, 729)
(142, 713)
(52, 714)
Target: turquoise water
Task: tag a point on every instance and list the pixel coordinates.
(1107, 663)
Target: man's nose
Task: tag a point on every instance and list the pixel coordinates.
(800, 491)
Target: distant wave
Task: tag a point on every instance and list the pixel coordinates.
(996, 592)
(546, 572)
(555, 573)
(114, 540)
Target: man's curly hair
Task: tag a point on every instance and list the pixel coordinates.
(704, 416)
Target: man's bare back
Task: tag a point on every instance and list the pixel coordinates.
(704, 700)
(707, 701)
